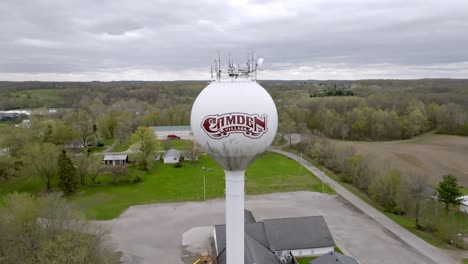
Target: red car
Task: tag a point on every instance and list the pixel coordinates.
(172, 136)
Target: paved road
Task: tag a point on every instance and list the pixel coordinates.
(152, 233)
(432, 253)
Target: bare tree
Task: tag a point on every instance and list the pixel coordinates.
(43, 161)
(83, 123)
(418, 195)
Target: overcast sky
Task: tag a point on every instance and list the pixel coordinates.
(83, 40)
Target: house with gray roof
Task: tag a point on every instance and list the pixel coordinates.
(172, 156)
(334, 258)
(299, 236)
(278, 241)
(116, 159)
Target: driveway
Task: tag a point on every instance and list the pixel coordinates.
(152, 233)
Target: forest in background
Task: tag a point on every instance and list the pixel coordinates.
(379, 110)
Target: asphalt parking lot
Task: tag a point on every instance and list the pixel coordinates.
(152, 233)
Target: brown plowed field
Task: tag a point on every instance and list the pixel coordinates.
(431, 154)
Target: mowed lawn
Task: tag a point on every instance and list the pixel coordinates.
(165, 183)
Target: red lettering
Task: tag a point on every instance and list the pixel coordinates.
(230, 120)
(240, 119)
(260, 123)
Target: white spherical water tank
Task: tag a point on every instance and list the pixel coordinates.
(234, 121)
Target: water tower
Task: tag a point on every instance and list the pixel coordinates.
(234, 120)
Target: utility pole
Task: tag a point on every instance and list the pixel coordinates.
(323, 179)
(204, 180)
(300, 165)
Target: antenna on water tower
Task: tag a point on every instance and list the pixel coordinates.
(239, 72)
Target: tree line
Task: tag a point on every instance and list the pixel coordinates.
(372, 118)
(395, 191)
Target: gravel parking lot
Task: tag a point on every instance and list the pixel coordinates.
(152, 233)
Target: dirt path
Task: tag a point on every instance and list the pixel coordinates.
(109, 148)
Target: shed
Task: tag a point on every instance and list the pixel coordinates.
(117, 159)
(464, 204)
(172, 156)
(157, 156)
(189, 155)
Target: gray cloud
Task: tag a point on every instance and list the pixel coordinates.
(112, 40)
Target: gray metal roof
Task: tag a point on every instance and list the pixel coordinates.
(115, 157)
(255, 230)
(248, 217)
(334, 258)
(298, 233)
(171, 128)
(172, 153)
(254, 253)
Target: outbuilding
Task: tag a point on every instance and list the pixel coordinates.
(464, 204)
(172, 156)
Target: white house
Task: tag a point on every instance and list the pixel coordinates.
(172, 156)
(464, 204)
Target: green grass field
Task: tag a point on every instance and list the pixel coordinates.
(465, 190)
(306, 260)
(37, 98)
(124, 146)
(180, 144)
(106, 142)
(165, 183)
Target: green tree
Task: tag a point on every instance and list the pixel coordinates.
(449, 191)
(148, 143)
(385, 190)
(68, 181)
(46, 230)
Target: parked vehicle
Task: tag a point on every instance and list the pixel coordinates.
(172, 136)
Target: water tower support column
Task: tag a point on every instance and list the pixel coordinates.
(235, 217)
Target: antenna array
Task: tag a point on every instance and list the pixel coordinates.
(234, 71)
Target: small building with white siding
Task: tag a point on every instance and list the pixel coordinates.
(116, 159)
(172, 156)
(464, 204)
